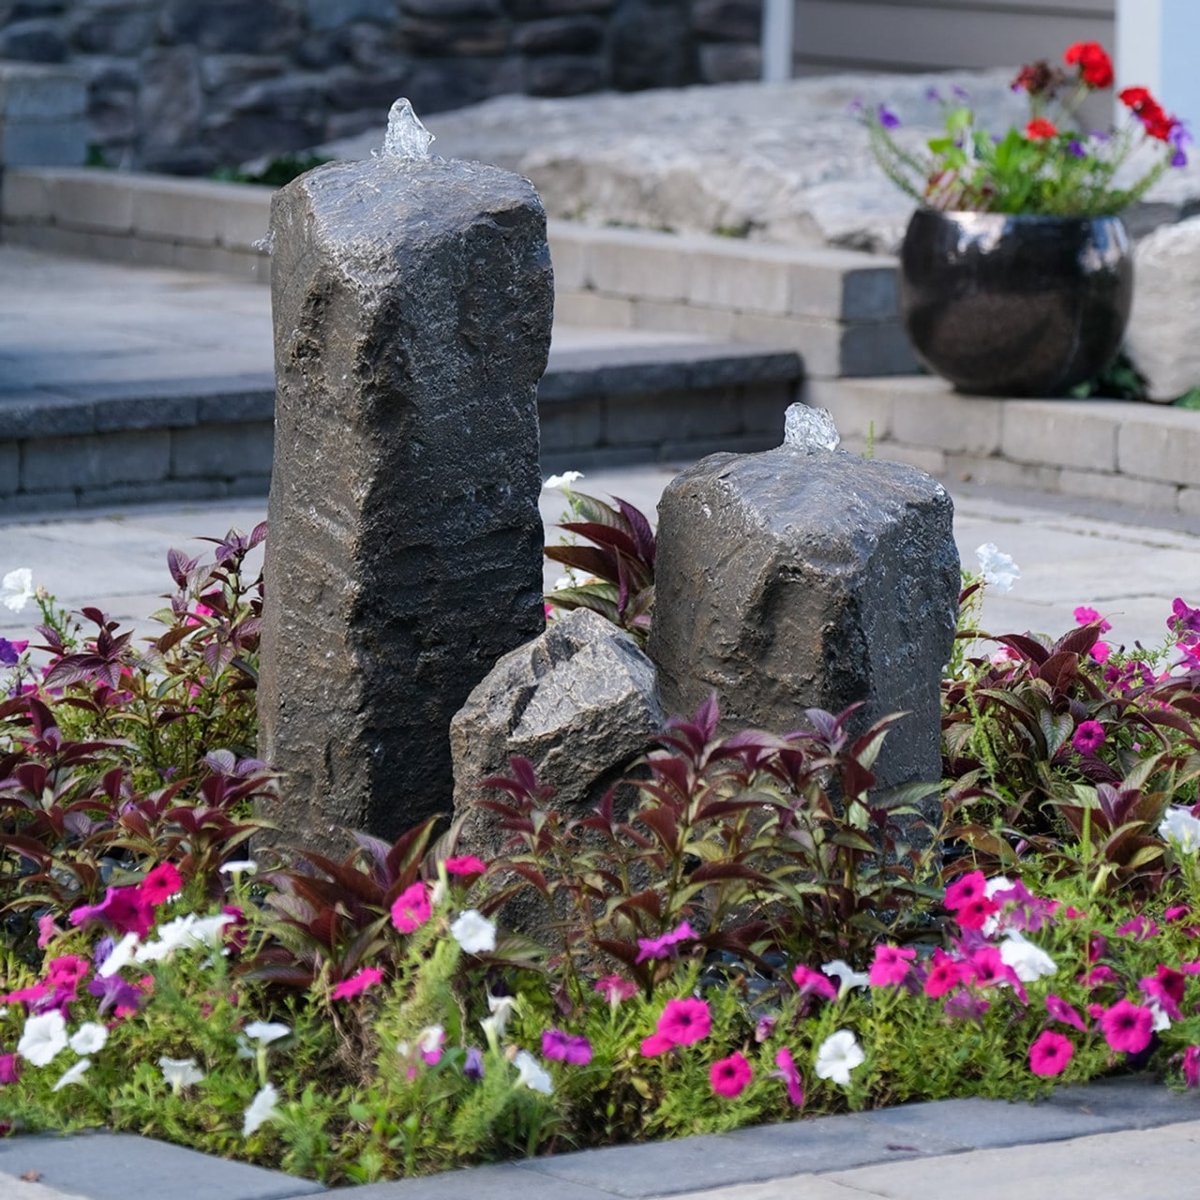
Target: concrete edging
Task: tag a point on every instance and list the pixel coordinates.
(137, 1167)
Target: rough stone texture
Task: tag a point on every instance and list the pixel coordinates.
(412, 308)
(442, 54)
(1164, 328)
(580, 702)
(783, 162)
(789, 580)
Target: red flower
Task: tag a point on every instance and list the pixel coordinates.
(1039, 129)
(1050, 1054)
(729, 1076)
(1095, 67)
(1136, 98)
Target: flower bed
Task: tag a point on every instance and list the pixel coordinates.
(757, 939)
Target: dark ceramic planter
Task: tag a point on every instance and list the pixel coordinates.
(1013, 305)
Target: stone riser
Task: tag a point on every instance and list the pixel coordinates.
(149, 448)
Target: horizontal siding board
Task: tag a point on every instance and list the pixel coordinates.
(916, 36)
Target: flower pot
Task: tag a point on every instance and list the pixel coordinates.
(1005, 304)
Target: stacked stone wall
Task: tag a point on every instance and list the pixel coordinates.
(191, 85)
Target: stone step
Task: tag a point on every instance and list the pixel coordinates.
(608, 397)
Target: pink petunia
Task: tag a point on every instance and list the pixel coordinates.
(1141, 928)
(655, 1045)
(1165, 988)
(891, 965)
(1100, 652)
(615, 988)
(466, 864)
(161, 883)
(28, 995)
(729, 1076)
(411, 909)
(1089, 736)
(1191, 1067)
(685, 1022)
(47, 931)
(966, 1006)
(813, 983)
(1176, 913)
(368, 977)
(664, 946)
(945, 975)
(975, 913)
(1050, 1054)
(125, 909)
(1062, 1012)
(790, 1076)
(67, 970)
(965, 890)
(1089, 616)
(566, 1047)
(1127, 1027)
(10, 1068)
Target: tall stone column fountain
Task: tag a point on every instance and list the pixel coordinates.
(412, 302)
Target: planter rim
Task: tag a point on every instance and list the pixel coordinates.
(975, 216)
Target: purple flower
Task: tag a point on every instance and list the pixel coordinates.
(473, 1067)
(887, 118)
(931, 93)
(114, 992)
(1076, 148)
(1179, 137)
(661, 947)
(1182, 617)
(10, 652)
(566, 1047)
(960, 93)
(1089, 737)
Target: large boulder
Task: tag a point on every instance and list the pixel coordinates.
(580, 702)
(1164, 328)
(808, 577)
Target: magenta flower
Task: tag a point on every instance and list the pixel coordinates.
(1050, 1054)
(1089, 616)
(368, 977)
(47, 931)
(1141, 928)
(1191, 1067)
(966, 1006)
(944, 975)
(466, 864)
(1026, 912)
(729, 1076)
(790, 1076)
(1088, 737)
(1165, 988)
(1062, 1012)
(566, 1047)
(1182, 617)
(26, 995)
(655, 1045)
(966, 890)
(411, 909)
(990, 970)
(975, 913)
(1098, 977)
(1100, 652)
(684, 1022)
(890, 965)
(1127, 1027)
(10, 1069)
(662, 947)
(125, 909)
(1176, 913)
(67, 970)
(813, 983)
(160, 884)
(614, 988)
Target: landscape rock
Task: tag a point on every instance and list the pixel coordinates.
(809, 578)
(412, 307)
(1163, 338)
(580, 702)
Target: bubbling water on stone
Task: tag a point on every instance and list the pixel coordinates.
(406, 137)
(810, 429)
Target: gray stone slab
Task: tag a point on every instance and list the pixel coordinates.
(509, 1181)
(984, 1123)
(118, 1166)
(1137, 1103)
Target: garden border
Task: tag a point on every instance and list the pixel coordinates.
(141, 1167)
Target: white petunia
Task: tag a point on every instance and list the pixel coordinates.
(239, 866)
(837, 1056)
(266, 1032)
(16, 589)
(531, 1073)
(563, 481)
(180, 1072)
(72, 1074)
(998, 570)
(263, 1108)
(846, 976)
(121, 955)
(501, 1009)
(43, 1037)
(183, 933)
(1029, 962)
(89, 1038)
(474, 932)
(1180, 828)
